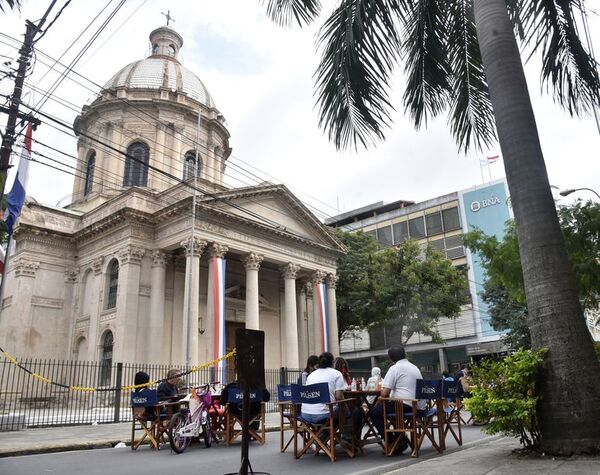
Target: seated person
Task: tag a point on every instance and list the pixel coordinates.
(319, 413)
(399, 382)
(142, 378)
(167, 390)
(236, 409)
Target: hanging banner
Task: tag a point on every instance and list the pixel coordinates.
(218, 290)
(320, 296)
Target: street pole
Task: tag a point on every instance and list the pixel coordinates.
(13, 110)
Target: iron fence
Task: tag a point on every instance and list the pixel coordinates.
(26, 401)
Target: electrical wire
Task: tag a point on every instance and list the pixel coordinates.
(231, 159)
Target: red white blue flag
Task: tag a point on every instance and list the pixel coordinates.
(218, 290)
(320, 296)
(16, 197)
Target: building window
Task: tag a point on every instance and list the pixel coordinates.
(434, 223)
(372, 233)
(189, 163)
(113, 284)
(155, 48)
(416, 227)
(451, 219)
(89, 173)
(136, 165)
(106, 359)
(384, 236)
(400, 232)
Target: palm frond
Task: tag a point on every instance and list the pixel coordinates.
(471, 114)
(286, 12)
(360, 47)
(567, 67)
(427, 69)
(12, 4)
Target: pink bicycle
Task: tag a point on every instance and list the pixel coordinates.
(193, 422)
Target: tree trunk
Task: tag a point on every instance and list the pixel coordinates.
(569, 408)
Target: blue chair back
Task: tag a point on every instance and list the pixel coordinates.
(236, 395)
(144, 398)
(451, 390)
(310, 394)
(284, 392)
(428, 389)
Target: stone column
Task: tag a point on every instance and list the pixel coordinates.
(70, 307)
(289, 272)
(334, 342)
(191, 300)
(214, 250)
(302, 318)
(443, 359)
(128, 299)
(97, 296)
(177, 356)
(157, 308)
(252, 264)
(317, 278)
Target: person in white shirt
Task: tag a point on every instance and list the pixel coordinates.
(400, 382)
(317, 413)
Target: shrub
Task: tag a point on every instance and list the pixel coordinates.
(505, 395)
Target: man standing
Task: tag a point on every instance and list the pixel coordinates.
(400, 382)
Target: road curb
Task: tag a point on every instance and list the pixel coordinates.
(71, 446)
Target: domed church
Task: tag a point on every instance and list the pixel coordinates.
(128, 272)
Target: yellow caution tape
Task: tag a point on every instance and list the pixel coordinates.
(123, 388)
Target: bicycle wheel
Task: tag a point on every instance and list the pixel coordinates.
(178, 442)
(207, 434)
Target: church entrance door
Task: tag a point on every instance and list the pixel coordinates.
(230, 328)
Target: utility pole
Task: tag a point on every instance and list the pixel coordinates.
(13, 110)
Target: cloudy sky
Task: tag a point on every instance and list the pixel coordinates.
(260, 76)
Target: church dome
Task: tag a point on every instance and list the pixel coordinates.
(162, 70)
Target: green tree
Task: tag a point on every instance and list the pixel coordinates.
(413, 289)
(504, 289)
(462, 56)
(354, 292)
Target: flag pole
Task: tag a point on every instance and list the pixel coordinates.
(4, 272)
(481, 171)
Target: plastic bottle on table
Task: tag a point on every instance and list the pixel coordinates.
(363, 385)
(353, 385)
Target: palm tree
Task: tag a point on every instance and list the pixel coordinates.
(462, 56)
(11, 4)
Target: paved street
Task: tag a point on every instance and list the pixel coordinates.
(219, 459)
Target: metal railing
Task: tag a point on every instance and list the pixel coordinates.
(27, 401)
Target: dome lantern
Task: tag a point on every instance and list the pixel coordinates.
(165, 42)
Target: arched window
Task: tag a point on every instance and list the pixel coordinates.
(89, 173)
(106, 358)
(136, 165)
(155, 48)
(81, 349)
(113, 284)
(189, 163)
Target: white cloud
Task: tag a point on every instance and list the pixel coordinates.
(260, 76)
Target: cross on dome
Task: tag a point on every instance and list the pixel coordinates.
(168, 16)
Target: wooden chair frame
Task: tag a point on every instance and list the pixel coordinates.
(401, 424)
(452, 416)
(232, 421)
(286, 424)
(310, 433)
(142, 423)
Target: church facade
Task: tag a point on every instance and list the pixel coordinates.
(125, 271)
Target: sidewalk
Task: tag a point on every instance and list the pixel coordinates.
(63, 438)
(495, 456)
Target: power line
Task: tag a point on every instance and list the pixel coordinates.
(268, 222)
(232, 157)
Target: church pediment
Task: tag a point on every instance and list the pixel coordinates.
(276, 206)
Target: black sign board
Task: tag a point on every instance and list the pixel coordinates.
(250, 358)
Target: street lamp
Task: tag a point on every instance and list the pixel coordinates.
(572, 190)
